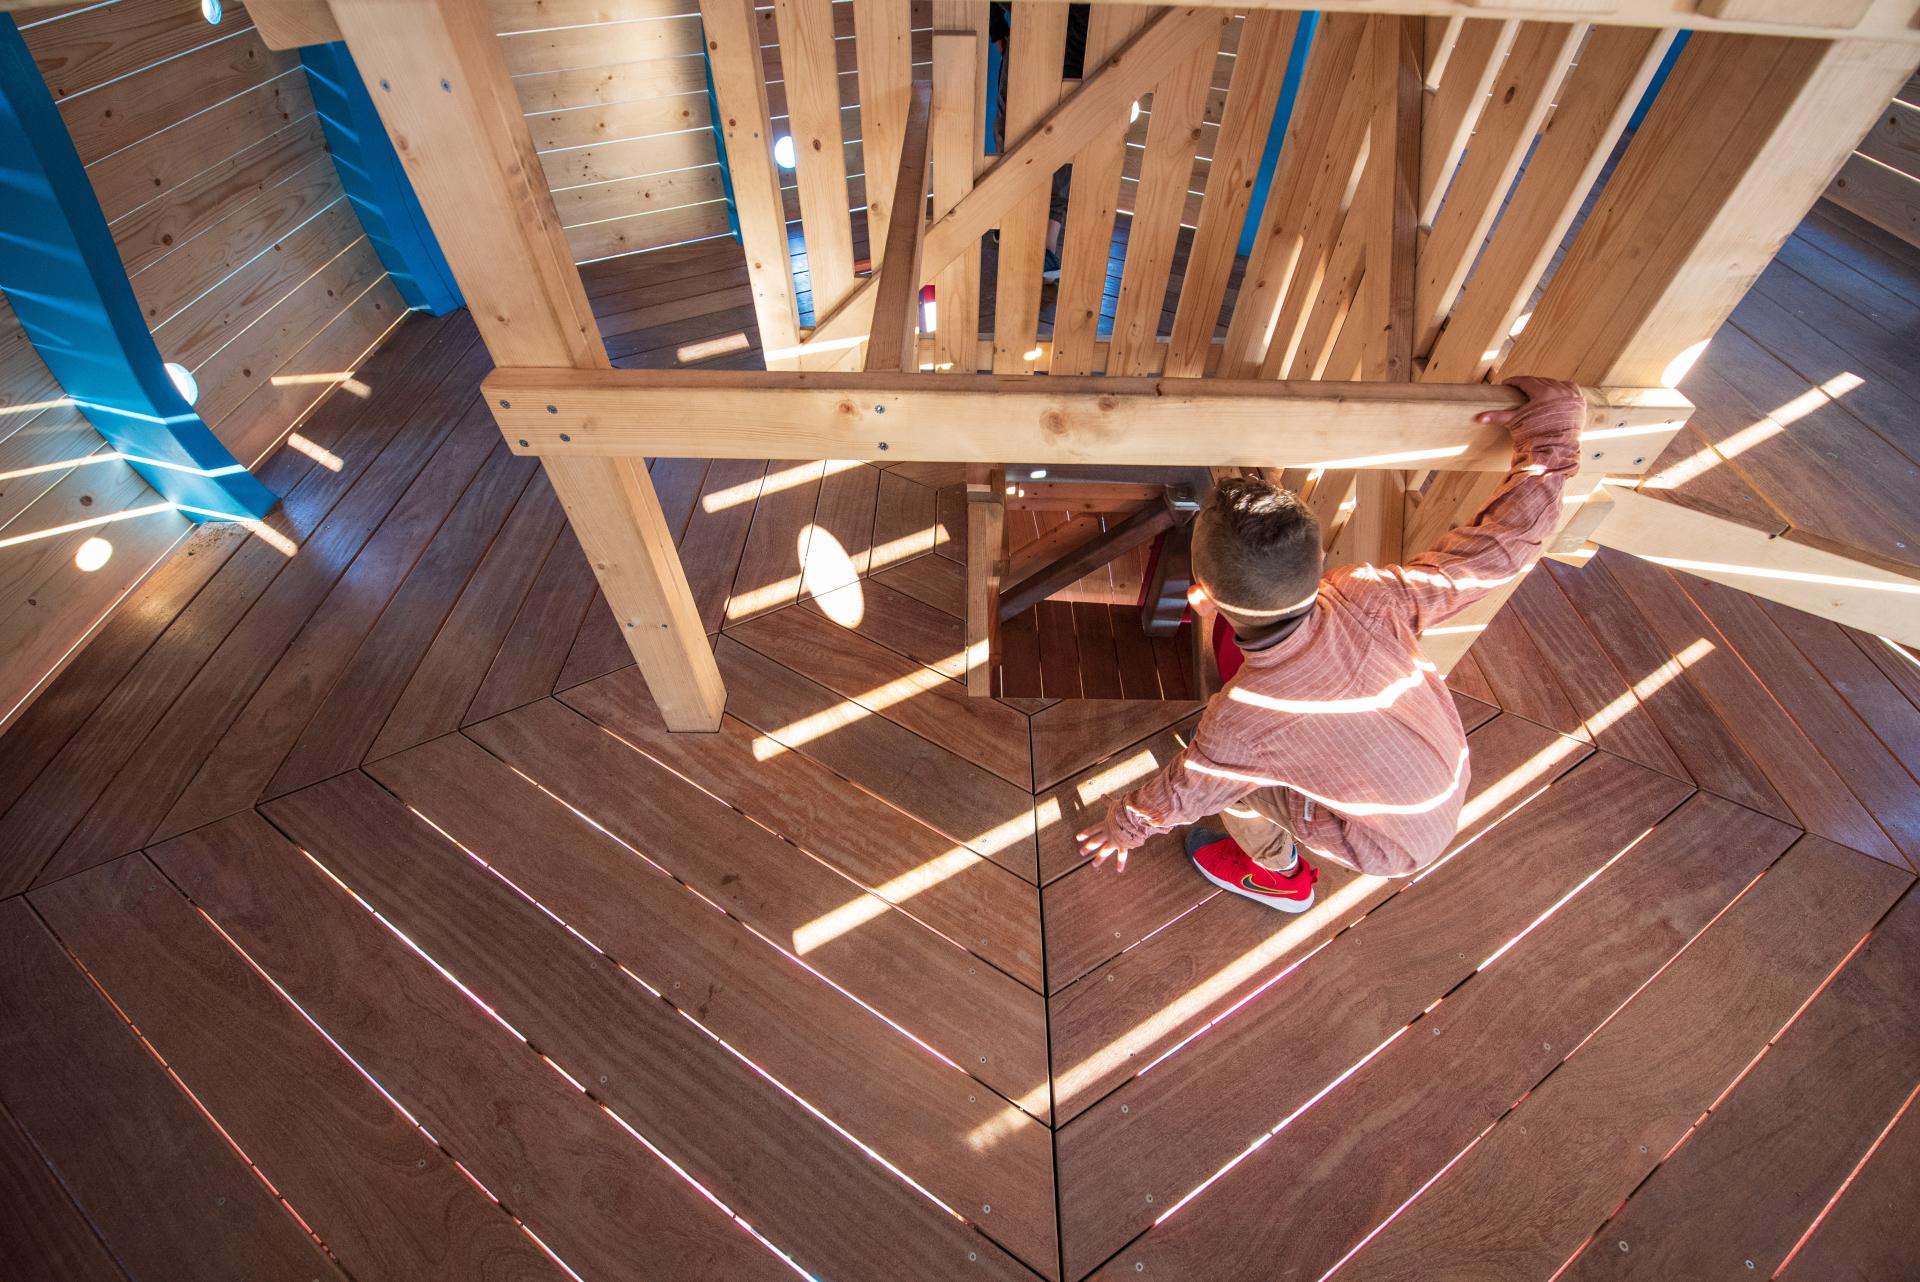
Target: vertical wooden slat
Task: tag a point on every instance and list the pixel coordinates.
(1034, 86)
(1522, 95)
(1395, 163)
(1166, 171)
(740, 86)
(1443, 41)
(1092, 194)
(1276, 251)
(1600, 94)
(955, 131)
(1458, 97)
(1259, 70)
(1320, 214)
(439, 80)
(893, 344)
(813, 115)
(884, 56)
(1745, 135)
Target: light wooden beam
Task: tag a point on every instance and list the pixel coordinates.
(1880, 20)
(893, 344)
(1743, 138)
(291, 24)
(1868, 597)
(436, 74)
(989, 418)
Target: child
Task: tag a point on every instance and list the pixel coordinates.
(1337, 735)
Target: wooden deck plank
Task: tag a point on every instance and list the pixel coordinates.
(768, 576)
(51, 722)
(840, 551)
(386, 1200)
(442, 687)
(1634, 1090)
(1713, 759)
(717, 533)
(167, 1195)
(350, 717)
(600, 646)
(245, 659)
(586, 1187)
(242, 762)
(109, 788)
(1604, 700)
(1466, 678)
(1137, 1006)
(984, 731)
(534, 650)
(940, 789)
(1074, 733)
(1348, 1163)
(933, 877)
(1824, 470)
(43, 1231)
(1523, 681)
(981, 1019)
(902, 623)
(1868, 1234)
(903, 521)
(933, 580)
(1744, 705)
(1875, 699)
(1885, 789)
(1175, 1134)
(1074, 802)
(1473, 713)
(916, 1111)
(1755, 1174)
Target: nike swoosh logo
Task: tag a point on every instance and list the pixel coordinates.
(1258, 889)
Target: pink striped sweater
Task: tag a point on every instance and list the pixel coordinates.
(1346, 714)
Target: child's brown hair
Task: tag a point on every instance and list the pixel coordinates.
(1256, 549)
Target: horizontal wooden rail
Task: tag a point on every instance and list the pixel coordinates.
(988, 418)
(1889, 20)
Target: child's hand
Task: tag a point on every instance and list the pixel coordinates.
(1549, 393)
(1101, 841)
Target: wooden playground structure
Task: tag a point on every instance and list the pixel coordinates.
(1396, 268)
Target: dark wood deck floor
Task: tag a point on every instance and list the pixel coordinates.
(358, 918)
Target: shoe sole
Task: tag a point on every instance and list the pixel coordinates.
(1234, 888)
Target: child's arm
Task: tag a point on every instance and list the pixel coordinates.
(1209, 773)
(1473, 560)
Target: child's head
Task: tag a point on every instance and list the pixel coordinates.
(1256, 552)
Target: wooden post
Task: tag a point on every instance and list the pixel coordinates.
(892, 344)
(1745, 135)
(740, 89)
(955, 130)
(437, 76)
(986, 551)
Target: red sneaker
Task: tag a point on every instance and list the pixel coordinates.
(1222, 862)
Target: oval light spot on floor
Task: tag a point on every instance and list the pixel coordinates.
(828, 575)
(93, 554)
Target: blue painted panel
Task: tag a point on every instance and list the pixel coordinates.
(1277, 133)
(376, 183)
(1659, 78)
(62, 273)
(719, 136)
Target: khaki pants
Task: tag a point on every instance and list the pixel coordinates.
(1260, 825)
